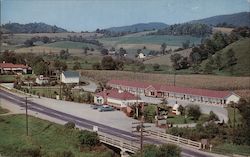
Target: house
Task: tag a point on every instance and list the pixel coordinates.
(42, 80)
(141, 55)
(166, 91)
(6, 68)
(116, 98)
(70, 77)
(175, 109)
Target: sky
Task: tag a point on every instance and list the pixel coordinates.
(88, 15)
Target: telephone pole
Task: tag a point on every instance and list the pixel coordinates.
(27, 127)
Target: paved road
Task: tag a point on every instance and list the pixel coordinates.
(81, 122)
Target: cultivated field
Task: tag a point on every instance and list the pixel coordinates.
(165, 60)
(239, 84)
(222, 29)
(148, 39)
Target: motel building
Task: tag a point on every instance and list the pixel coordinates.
(70, 77)
(116, 98)
(220, 98)
(8, 68)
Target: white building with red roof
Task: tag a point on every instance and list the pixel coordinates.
(6, 68)
(116, 98)
(167, 91)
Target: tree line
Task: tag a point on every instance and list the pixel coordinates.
(193, 29)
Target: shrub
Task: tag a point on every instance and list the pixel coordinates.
(87, 138)
(70, 125)
(64, 154)
(194, 111)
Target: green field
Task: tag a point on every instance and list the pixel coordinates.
(229, 149)
(150, 39)
(50, 138)
(70, 45)
(7, 78)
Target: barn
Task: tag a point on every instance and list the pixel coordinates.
(70, 77)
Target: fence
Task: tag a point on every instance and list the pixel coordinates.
(174, 139)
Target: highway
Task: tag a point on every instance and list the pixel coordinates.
(84, 123)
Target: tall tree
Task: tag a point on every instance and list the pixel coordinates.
(163, 48)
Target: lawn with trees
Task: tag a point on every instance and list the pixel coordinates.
(47, 139)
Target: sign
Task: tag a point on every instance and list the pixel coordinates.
(95, 128)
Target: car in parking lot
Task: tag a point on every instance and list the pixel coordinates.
(105, 108)
(95, 107)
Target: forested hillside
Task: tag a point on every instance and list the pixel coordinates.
(31, 28)
(198, 30)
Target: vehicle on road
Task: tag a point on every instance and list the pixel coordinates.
(105, 108)
(95, 107)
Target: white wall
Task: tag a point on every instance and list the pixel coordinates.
(233, 98)
(69, 80)
(96, 98)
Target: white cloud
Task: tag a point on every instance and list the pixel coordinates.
(248, 1)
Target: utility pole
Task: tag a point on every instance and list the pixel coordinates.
(174, 76)
(141, 139)
(234, 123)
(27, 127)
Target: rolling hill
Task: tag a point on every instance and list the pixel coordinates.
(237, 19)
(241, 49)
(140, 27)
(31, 28)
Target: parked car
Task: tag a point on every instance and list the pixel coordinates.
(105, 108)
(95, 107)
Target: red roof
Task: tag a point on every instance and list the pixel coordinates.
(114, 93)
(11, 65)
(175, 89)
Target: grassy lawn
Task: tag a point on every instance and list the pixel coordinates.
(172, 118)
(228, 149)
(230, 111)
(3, 110)
(7, 78)
(49, 137)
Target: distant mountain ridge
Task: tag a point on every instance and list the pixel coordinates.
(140, 27)
(31, 28)
(238, 19)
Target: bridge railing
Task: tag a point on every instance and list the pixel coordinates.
(174, 139)
(119, 143)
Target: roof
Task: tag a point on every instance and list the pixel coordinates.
(114, 93)
(175, 89)
(11, 65)
(71, 74)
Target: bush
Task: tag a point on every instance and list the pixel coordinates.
(193, 111)
(87, 138)
(30, 152)
(70, 125)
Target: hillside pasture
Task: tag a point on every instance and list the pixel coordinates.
(149, 39)
(22, 37)
(75, 48)
(165, 60)
(195, 81)
(222, 29)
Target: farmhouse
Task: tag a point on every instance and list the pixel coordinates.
(70, 77)
(8, 68)
(166, 91)
(42, 80)
(117, 98)
(141, 55)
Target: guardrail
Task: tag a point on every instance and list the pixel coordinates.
(122, 144)
(174, 139)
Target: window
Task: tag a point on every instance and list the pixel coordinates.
(152, 93)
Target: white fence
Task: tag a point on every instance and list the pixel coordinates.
(122, 144)
(174, 139)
